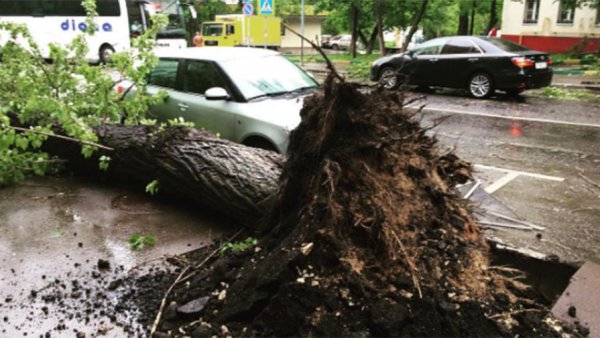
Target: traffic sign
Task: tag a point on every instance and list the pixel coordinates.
(247, 1)
(248, 9)
(266, 7)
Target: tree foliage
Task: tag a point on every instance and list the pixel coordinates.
(65, 95)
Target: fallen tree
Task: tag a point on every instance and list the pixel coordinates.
(187, 163)
(366, 236)
(363, 235)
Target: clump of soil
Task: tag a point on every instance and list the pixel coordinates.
(367, 237)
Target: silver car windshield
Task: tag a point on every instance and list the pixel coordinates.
(267, 76)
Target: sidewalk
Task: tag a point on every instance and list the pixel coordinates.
(576, 81)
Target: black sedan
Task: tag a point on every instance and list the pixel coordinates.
(478, 64)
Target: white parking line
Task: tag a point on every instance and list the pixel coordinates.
(511, 175)
(512, 118)
(523, 173)
(504, 180)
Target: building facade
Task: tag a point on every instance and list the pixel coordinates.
(551, 25)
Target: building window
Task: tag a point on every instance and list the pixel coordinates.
(565, 13)
(598, 16)
(532, 11)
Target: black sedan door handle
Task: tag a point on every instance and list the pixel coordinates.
(433, 60)
(473, 59)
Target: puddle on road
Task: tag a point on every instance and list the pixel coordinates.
(59, 228)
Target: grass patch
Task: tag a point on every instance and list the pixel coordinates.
(566, 94)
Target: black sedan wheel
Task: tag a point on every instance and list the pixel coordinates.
(481, 85)
(389, 78)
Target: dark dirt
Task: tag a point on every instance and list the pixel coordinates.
(366, 237)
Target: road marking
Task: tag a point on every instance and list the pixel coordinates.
(523, 173)
(512, 118)
(504, 180)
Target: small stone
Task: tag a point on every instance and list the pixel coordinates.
(80, 334)
(306, 248)
(572, 312)
(115, 284)
(538, 236)
(193, 308)
(103, 264)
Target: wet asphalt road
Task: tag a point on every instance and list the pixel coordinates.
(58, 229)
(556, 146)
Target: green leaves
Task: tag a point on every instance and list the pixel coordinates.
(104, 162)
(239, 246)
(152, 187)
(137, 241)
(67, 94)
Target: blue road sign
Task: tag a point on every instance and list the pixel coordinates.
(266, 7)
(248, 9)
(247, 1)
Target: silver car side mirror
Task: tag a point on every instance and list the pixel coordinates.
(216, 93)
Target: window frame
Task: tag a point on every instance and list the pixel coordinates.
(474, 48)
(184, 72)
(177, 84)
(536, 11)
(561, 10)
(53, 8)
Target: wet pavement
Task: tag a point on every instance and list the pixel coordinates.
(541, 158)
(59, 228)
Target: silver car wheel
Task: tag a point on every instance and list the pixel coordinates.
(480, 85)
(389, 78)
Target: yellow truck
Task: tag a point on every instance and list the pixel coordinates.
(243, 30)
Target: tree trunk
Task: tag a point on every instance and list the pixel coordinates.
(463, 24)
(189, 164)
(354, 30)
(472, 24)
(493, 17)
(379, 27)
(415, 24)
(370, 43)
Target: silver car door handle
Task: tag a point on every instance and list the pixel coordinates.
(433, 60)
(473, 59)
(183, 106)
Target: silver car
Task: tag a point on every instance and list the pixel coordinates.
(247, 95)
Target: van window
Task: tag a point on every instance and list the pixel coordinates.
(215, 29)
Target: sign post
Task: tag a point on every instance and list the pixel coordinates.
(247, 10)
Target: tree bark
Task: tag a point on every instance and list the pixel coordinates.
(189, 164)
(472, 23)
(379, 27)
(415, 24)
(370, 43)
(493, 17)
(463, 23)
(354, 11)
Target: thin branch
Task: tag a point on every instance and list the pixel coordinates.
(164, 301)
(62, 137)
(585, 178)
(199, 265)
(329, 64)
(180, 279)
